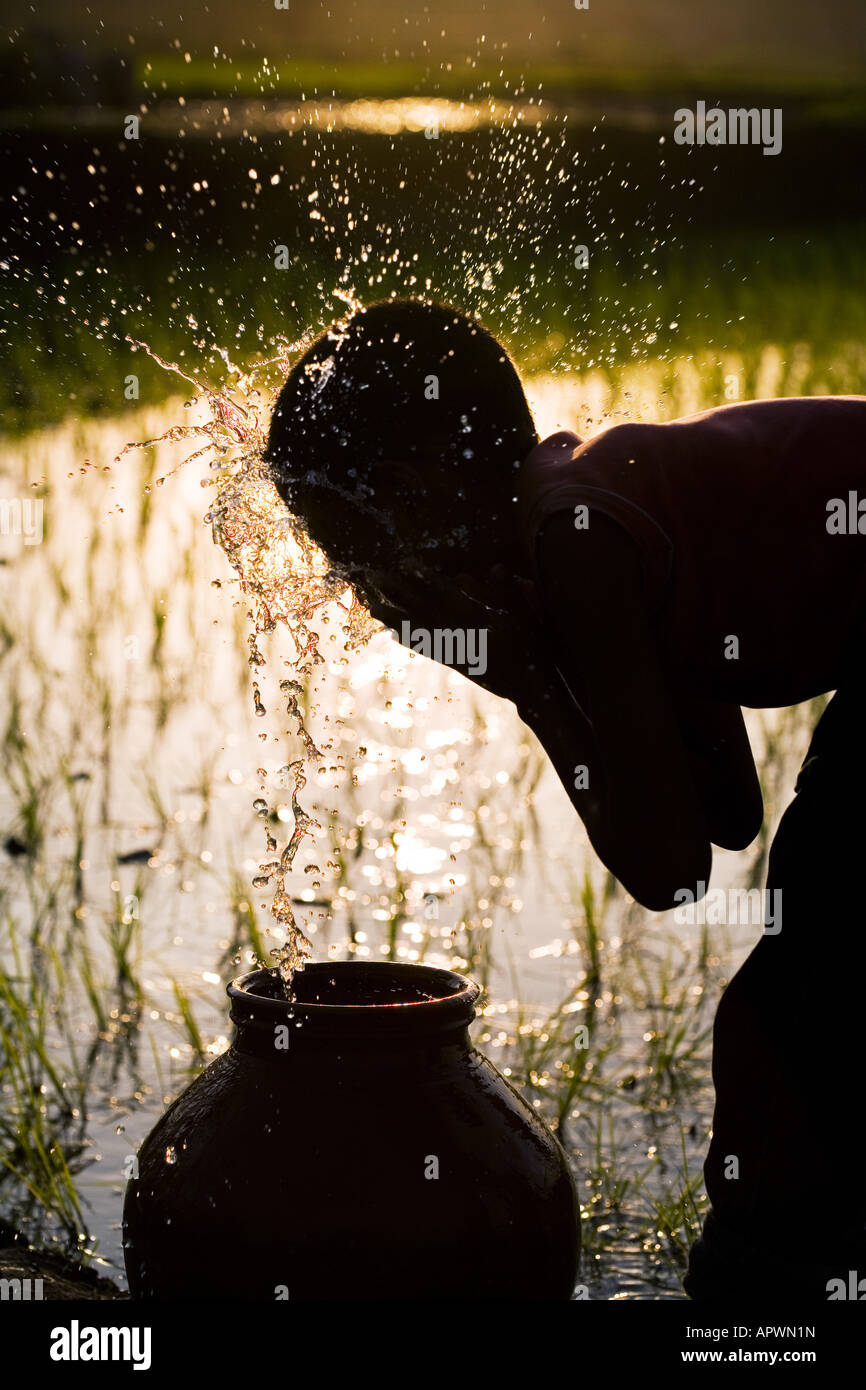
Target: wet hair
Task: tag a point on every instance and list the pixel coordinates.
(398, 381)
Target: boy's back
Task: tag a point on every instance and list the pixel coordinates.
(733, 513)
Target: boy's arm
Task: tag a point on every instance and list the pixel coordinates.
(646, 819)
(724, 770)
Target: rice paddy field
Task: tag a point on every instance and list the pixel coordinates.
(131, 742)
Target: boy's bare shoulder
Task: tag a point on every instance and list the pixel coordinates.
(764, 427)
(776, 411)
(738, 417)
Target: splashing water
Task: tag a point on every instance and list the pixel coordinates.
(286, 581)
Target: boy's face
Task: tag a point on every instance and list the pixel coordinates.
(394, 595)
(442, 544)
(434, 598)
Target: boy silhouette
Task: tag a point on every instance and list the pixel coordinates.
(637, 590)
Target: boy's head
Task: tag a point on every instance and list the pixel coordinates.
(396, 438)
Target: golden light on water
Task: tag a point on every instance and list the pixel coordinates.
(413, 114)
(384, 116)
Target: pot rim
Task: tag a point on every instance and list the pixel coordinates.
(454, 1008)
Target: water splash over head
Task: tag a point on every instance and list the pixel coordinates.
(283, 577)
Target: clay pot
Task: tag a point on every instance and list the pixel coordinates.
(352, 1144)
